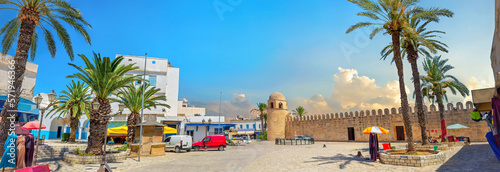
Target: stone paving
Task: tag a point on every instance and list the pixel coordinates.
(265, 156)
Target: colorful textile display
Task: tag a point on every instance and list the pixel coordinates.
(20, 152)
(443, 130)
(9, 156)
(495, 105)
(493, 144)
(373, 143)
(30, 150)
(476, 116)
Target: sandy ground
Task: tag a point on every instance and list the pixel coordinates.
(265, 156)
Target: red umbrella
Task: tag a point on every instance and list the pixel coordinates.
(33, 125)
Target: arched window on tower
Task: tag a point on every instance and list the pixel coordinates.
(272, 105)
(281, 105)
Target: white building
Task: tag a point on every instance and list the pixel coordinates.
(160, 74)
(54, 123)
(184, 110)
(29, 77)
(241, 123)
(197, 129)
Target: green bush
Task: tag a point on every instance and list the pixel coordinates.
(65, 137)
(263, 136)
(123, 147)
(80, 152)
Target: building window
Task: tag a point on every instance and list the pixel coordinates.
(138, 82)
(259, 126)
(281, 105)
(272, 105)
(254, 126)
(152, 80)
(248, 126)
(241, 126)
(217, 130)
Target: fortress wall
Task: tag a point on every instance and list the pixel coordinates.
(334, 126)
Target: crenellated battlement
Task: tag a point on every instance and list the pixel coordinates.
(382, 112)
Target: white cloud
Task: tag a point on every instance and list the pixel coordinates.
(239, 105)
(474, 83)
(353, 92)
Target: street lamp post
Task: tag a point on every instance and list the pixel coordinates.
(206, 131)
(95, 106)
(38, 99)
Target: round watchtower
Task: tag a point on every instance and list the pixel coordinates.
(277, 111)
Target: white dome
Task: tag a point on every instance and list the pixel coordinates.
(277, 96)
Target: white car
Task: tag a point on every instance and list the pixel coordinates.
(178, 143)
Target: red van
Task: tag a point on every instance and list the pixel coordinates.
(211, 142)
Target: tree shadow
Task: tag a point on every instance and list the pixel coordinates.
(339, 158)
(58, 162)
(471, 158)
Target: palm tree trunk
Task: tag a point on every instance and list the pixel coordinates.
(262, 122)
(74, 126)
(98, 127)
(412, 58)
(404, 99)
(20, 58)
(133, 119)
(441, 117)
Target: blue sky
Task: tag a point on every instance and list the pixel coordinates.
(258, 47)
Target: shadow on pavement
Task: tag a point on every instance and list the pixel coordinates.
(343, 159)
(476, 157)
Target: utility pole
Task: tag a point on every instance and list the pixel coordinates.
(220, 107)
(142, 109)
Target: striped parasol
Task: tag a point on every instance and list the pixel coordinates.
(376, 130)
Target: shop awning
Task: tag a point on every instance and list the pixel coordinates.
(24, 105)
(124, 130)
(245, 131)
(211, 125)
(482, 99)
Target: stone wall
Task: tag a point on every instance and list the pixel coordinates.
(413, 160)
(80, 159)
(334, 127)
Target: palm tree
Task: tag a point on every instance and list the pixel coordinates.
(261, 107)
(265, 120)
(300, 111)
(105, 77)
(435, 84)
(32, 14)
(76, 100)
(391, 16)
(132, 98)
(411, 47)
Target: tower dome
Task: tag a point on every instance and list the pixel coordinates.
(277, 96)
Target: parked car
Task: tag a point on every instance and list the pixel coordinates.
(178, 143)
(211, 142)
(246, 139)
(302, 137)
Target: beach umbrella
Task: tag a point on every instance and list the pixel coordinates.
(375, 130)
(33, 125)
(456, 126)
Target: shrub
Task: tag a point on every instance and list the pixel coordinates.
(65, 137)
(79, 152)
(264, 136)
(123, 147)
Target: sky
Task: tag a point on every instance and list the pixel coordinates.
(250, 49)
